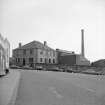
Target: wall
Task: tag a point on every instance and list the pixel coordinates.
(80, 60)
(4, 54)
(67, 60)
(46, 54)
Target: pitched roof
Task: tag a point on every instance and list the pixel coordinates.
(34, 44)
(100, 62)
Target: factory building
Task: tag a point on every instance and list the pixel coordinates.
(70, 58)
(34, 53)
(66, 57)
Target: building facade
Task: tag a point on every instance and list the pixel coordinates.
(34, 53)
(71, 59)
(4, 54)
(66, 57)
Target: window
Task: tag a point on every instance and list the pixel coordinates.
(24, 52)
(41, 52)
(45, 60)
(31, 51)
(54, 53)
(18, 59)
(41, 59)
(49, 60)
(30, 60)
(48, 53)
(53, 60)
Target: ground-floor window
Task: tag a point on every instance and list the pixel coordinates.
(41, 59)
(53, 60)
(45, 60)
(24, 62)
(31, 60)
(18, 59)
(49, 60)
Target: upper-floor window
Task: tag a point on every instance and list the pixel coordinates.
(45, 60)
(54, 53)
(16, 60)
(24, 52)
(49, 53)
(41, 52)
(31, 51)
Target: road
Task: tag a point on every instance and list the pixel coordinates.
(53, 88)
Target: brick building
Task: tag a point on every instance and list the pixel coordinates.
(71, 59)
(34, 53)
(4, 54)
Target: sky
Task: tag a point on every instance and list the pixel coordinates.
(59, 22)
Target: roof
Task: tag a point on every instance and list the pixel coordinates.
(100, 62)
(34, 44)
(65, 52)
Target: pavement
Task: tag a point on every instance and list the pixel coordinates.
(58, 88)
(8, 87)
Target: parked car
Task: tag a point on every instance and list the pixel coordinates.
(39, 67)
(14, 67)
(53, 69)
(91, 71)
(27, 67)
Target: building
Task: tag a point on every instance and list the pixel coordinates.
(66, 57)
(34, 53)
(71, 59)
(4, 54)
(81, 60)
(98, 63)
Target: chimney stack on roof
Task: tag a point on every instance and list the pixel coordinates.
(45, 43)
(20, 45)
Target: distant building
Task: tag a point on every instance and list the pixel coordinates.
(4, 54)
(66, 57)
(71, 59)
(34, 53)
(81, 60)
(99, 63)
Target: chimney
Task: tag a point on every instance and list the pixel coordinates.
(20, 45)
(82, 43)
(45, 43)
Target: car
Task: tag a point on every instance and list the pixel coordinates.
(53, 69)
(14, 67)
(39, 68)
(27, 67)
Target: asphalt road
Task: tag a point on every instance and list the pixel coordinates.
(53, 88)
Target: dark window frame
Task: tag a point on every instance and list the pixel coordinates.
(49, 60)
(24, 51)
(53, 60)
(31, 51)
(41, 59)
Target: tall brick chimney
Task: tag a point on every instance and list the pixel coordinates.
(82, 43)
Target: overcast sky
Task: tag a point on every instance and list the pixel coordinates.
(59, 22)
